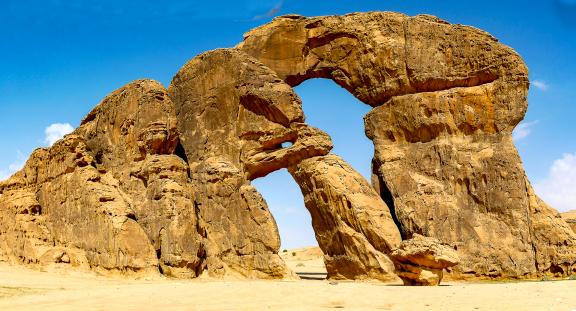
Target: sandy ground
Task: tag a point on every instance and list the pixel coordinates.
(24, 289)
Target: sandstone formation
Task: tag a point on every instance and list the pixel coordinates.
(159, 181)
(420, 261)
(353, 226)
(122, 193)
(446, 99)
(570, 218)
(233, 115)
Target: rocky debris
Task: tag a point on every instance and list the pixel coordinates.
(353, 225)
(446, 99)
(420, 261)
(570, 218)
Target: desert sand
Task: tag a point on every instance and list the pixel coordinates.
(26, 289)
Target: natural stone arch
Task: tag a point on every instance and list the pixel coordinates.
(159, 181)
(446, 99)
(256, 112)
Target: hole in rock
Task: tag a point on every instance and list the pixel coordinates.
(333, 109)
(299, 248)
(287, 144)
(180, 152)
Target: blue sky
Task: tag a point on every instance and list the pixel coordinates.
(59, 58)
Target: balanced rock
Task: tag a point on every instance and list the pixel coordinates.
(421, 260)
(446, 99)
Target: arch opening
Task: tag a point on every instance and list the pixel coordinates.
(337, 112)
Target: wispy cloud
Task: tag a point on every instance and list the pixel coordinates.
(14, 166)
(56, 131)
(523, 130)
(541, 85)
(273, 11)
(52, 133)
(557, 189)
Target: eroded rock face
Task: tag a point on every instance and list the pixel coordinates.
(233, 114)
(446, 99)
(420, 261)
(127, 192)
(570, 218)
(353, 226)
(113, 195)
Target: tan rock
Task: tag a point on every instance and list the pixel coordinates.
(233, 115)
(420, 261)
(353, 225)
(160, 181)
(446, 99)
(570, 218)
(109, 195)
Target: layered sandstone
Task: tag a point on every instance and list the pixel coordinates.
(233, 115)
(570, 218)
(420, 261)
(148, 184)
(353, 225)
(446, 99)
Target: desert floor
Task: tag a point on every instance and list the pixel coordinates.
(25, 289)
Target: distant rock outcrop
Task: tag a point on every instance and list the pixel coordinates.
(159, 181)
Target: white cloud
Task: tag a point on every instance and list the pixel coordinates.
(541, 85)
(523, 130)
(56, 131)
(559, 188)
(53, 133)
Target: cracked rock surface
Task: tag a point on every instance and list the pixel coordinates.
(420, 261)
(570, 218)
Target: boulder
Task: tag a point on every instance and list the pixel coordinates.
(420, 261)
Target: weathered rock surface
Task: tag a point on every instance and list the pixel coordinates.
(570, 218)
(110, 195)
(421, 261)
(122, 194)
(233, 114)
(353, 226)
(446, 99)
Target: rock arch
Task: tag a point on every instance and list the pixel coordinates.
(253, 113)
(446, 99)
(158, 180)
